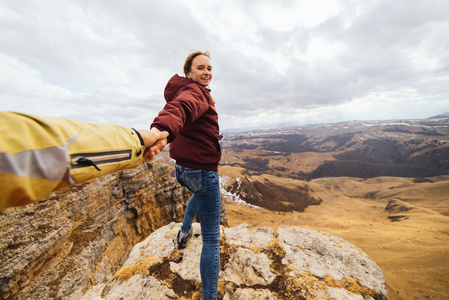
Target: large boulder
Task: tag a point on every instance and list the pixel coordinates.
(256, 263)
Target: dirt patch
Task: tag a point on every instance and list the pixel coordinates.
(187, 288)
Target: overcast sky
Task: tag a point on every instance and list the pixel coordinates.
(275, 62)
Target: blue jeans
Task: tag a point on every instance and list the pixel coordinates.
(206, 201)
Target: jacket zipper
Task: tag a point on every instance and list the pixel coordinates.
(81, 160)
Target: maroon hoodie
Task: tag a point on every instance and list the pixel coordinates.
(192, 122)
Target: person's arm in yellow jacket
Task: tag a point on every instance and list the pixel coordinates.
(39, 155)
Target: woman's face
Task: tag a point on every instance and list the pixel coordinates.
(201, 70)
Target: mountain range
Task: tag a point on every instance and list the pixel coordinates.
(365, 149)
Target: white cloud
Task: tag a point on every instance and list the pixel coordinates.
(287, 15)
(274, 61)
(18, 79)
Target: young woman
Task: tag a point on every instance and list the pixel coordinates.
(191, 120)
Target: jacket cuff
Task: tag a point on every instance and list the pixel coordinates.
(140, 137)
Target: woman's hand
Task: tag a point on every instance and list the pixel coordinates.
(154, 140)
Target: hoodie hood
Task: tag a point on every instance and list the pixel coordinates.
(175, 84)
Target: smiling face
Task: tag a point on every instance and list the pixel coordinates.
(201, 70)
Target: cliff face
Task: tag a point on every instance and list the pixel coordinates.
(80, 236)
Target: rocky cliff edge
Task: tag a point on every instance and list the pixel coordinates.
(256, 263)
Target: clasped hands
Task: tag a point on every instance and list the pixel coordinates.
(154, 140)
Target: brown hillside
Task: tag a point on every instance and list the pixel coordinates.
(409, 241)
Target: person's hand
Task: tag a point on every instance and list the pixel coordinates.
(159, 145)
(154, 140)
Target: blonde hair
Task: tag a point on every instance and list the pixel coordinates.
(189, 60)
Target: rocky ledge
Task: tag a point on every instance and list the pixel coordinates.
(256, 263)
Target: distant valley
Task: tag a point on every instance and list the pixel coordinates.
(365, 149)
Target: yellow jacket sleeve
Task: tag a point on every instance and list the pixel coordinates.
(39, 155)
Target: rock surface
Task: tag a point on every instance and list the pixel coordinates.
(60, 247)
(256, 263)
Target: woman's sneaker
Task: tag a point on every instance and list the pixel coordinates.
(182, 240)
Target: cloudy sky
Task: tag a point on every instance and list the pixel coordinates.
(275, 62)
